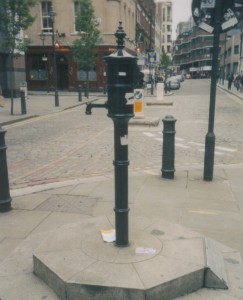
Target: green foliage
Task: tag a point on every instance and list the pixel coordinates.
(84, 48)
(14, 17)
(165, 61)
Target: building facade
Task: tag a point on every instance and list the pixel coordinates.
(53, 31)
(166, 27)
(193, 51)
(40, 59)
(230, 53)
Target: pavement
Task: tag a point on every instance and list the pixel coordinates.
(212, 209)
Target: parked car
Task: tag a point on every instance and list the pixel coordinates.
(188, 76)
(180, 78)
(173, 82)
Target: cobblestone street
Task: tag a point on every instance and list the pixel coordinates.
(70, 144)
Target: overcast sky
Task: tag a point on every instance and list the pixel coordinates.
(181, 12)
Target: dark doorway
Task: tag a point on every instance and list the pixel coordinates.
(62, 72)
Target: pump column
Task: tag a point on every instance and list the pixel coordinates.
(122, 76)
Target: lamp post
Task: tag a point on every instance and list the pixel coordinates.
(44, 58)
(52, 16)
(42, 37)
(210, 137)
(225, 40)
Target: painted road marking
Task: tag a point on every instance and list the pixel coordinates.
(148, 134)
(182, 146)
(202, 212)
(196, 144)
(186, 145)
(225, 149)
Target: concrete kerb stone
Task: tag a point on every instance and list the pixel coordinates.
(39, 111)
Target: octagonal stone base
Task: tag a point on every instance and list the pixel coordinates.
(163, 261)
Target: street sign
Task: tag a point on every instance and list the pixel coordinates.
(208, 4)
(203, 12)
(152, 58)
(138, 103)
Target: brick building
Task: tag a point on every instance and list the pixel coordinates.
(36, 67)
(39, 57)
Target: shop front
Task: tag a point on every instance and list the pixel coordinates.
(40, 69)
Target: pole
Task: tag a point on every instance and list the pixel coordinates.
(225, 40)
(121, 164)
(168, 155)
(5, 199)
(23, 103)
(54, 59)
(210, 137)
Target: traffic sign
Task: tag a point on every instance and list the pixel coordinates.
(152, 58)
(203, 12)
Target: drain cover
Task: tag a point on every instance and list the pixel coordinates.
(69, 203)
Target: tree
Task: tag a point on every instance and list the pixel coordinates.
(14, 18)
(84, 48)
(165, 61)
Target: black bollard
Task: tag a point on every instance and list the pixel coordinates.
(152, 88)
(104, 89)
(86, 94)
(23, 102)
(168, 155)
(5, 199)
(165, 87)
(80, 93)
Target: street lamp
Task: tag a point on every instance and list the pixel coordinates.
(52, 17)
(44, 57)
(42, 37)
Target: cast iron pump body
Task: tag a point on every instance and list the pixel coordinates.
(122, 78)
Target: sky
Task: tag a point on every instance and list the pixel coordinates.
(181, 12)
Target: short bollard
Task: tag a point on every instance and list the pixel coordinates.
(5, 199)
(86, 93)
(168, 155)
(23, 102)
(80, 93)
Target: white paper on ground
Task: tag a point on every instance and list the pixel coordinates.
(108, 235)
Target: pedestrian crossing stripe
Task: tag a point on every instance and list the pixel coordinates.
(219, 150)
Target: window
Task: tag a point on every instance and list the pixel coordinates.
(46, 8)
(236, 49)
(138, 16)
(235, 67)
(38, 69)
(81, 75)
(168, 14)
(76, 11)
(169, 38)
(163, 15)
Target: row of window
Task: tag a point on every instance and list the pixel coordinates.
(38, 68)
(46, 9)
